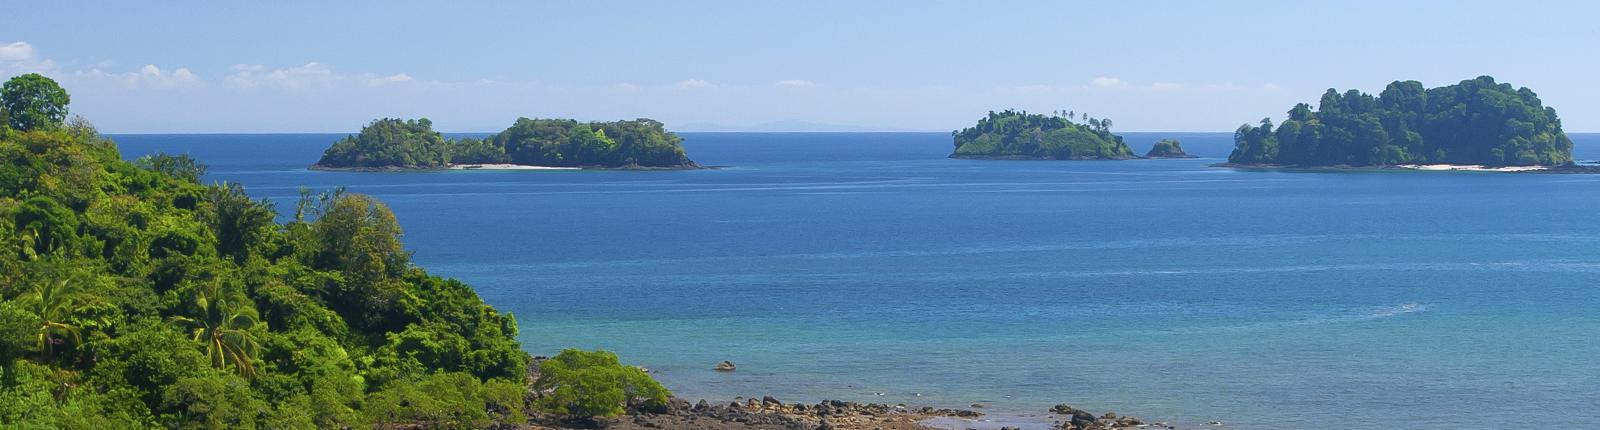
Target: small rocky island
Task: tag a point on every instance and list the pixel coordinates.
(1014, 135)
(1476, 124)
(1167, 148)
(395, 144)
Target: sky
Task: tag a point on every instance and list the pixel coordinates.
(320, 66)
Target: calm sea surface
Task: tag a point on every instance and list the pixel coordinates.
(869, 267)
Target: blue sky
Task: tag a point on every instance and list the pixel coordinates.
(881, 65)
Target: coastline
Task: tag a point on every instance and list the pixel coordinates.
(1033, 158)
(768, 413)
(504, 166)
(1571, 168)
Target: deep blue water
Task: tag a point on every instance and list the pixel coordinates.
(848, 265)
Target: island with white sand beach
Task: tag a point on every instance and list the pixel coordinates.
(391, 144)
(1476, 125)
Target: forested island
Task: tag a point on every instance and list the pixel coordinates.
(1020, 135)
(1167, 148)
(395, 144)
(1475, 122)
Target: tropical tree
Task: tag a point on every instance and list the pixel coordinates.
(53, 304)
(34, 102)
(236, 220)
(223, 330)
(182, 165)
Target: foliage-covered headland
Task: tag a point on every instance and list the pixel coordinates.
(1474, 122)
(1020, 135)
(133, 296)
(391, 143)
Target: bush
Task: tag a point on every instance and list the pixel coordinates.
(587, 384)
(449, 400)
(213, 400)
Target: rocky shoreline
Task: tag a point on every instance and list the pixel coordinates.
(769, 413)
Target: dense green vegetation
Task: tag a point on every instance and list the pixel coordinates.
(1013, 134)
(412, 144)
(1473, 122)
(390, 142)
(133, 296)
(592, 384)
(1167, 148)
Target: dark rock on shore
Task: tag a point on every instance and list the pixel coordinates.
(1078, 419)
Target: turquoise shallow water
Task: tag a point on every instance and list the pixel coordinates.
(868, 267)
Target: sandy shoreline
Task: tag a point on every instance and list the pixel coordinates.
(1570, 168)
(1471, 168)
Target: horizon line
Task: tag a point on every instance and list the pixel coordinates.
(671, 131)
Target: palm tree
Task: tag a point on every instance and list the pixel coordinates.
(224, 332)
(53, 303)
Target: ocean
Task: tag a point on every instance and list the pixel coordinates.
(869, 267)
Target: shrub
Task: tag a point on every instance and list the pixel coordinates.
(449, 400)
(589, 384)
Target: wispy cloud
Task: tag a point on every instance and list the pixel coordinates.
(799, 83)
(693, 83)
(148, 76)
(398, 78)
(312, 74)
(1106, 81)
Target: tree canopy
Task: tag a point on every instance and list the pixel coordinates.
(1013, 134)
(412, 144)
(33, 102)
(1476, 121)
(390, 142)
(133, 296)
(1167, 148)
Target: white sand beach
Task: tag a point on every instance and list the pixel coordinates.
(1472, 167)
(506, 167)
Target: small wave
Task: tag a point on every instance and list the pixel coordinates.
(1401, 309)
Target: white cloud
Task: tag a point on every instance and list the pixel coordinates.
(1165, 86)
(693, 83)
(311, 74)
(1104, 81)
(798, 83)
(149, 76)
(19, 57)
(397, 78)
(16, 51)
(1270, 86)
(625, 88)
